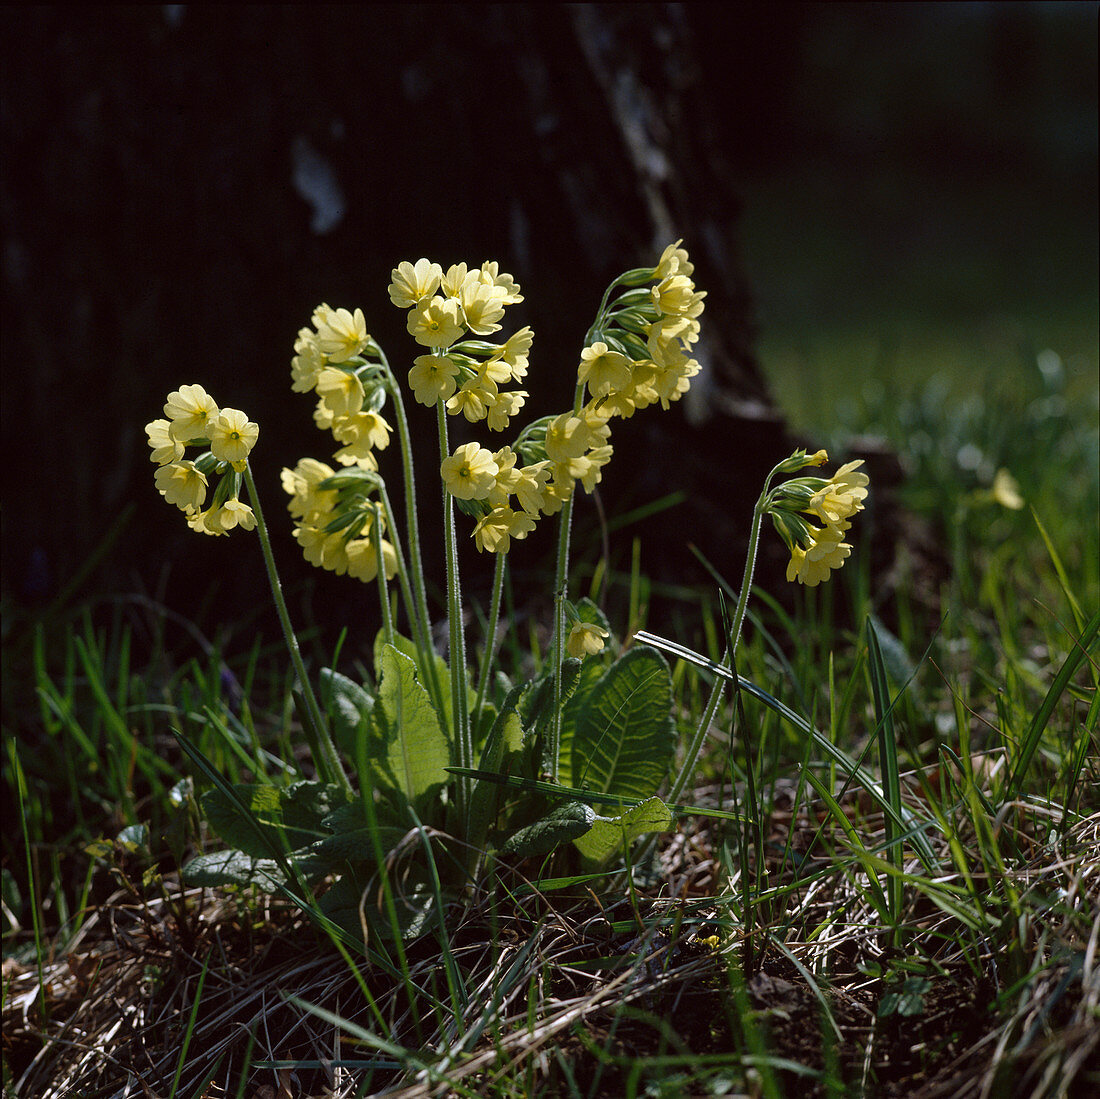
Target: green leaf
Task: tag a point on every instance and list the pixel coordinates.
(610, 835)
(260, 819)
(566, 822)
(348, 706)
(233, 868)
(624, 735)
(417, 749)
(505, 738)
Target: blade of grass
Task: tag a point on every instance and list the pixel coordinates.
(1039, 722)
(891, 780)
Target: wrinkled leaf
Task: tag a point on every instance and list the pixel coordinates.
(233, 868)
(417, 749)
(624, 736)
(566, 822)
(348, 706)
(610, 835)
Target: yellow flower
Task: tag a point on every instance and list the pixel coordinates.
(308, 502)
(494, 531)
(513, 353)
(199, 522)
(825, 552)
(530, 487)
(473, 399)
(585, 639)
(1006, 491)
(673, 379)
(432, 378)
(363, 559)
(307, 363)
(342, 335)
(231, 514)
(569, 436)
(842, 496)
(411, 285)
(182, 483)
(341, 393)
(190, 408)
(482, 304)
(435, 322)
(603, 371)
(469, 473)
(366, 429)
(502, 407)
(491, 273)
(165, 448)
(674, 261)
(232, 437)
(667, 332)
(329, 551)
(675, 296)
(451, 283)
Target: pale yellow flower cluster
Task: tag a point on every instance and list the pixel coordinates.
(444, 310)
(645, 356)
(817, 550)
(194, 418)
(328, 359)
(335, 524)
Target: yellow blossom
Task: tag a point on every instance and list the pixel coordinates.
(451, 283)
(308, 502)
(365, 429)
(411, 284)
(530, 487)
(182, 483)
(491, 273)
(502, 407)
(842, 496)
(1006, 491)
(342, 335)
(604, 371)
(482, 305)
(190, 408)
(473, 399)
(362, 555)
(469, 473)
(231, 514)
(676, 296)
(329, 551)
(674, 261)
(165, 448)
(340, 391)
(435, 322)
(494, 531)
(585, 639)
(432, 378)
(307, 363)
(825, 552)
(514, 353)
(569, 436)
(232, 437)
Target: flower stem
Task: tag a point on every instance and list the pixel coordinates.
(324, 751)
(417, 599)
(459, 713)
(691, 757)
(490, 634)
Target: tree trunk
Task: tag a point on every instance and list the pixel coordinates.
(183, 184)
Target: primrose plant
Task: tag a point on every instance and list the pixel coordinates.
(435, 764)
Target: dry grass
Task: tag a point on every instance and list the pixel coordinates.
(189, 993)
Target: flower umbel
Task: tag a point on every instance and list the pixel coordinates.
(195, 419)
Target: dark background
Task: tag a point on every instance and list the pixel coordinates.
(153, 233)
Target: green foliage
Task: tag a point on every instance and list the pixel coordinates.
(620, 741)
